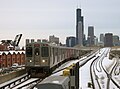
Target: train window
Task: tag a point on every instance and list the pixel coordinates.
(28, 51)
(37, 51)
(57, 54)
(44, 52)
(56, 51)
(53, 55)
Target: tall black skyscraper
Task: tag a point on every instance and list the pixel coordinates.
(79, 18)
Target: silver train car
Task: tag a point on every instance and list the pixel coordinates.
(43, 58)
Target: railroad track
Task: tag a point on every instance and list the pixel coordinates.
(91, 73)
(88, 58)
(22, 83)
(29, 84)
(14, 82)
(109, 75)
(96, 67)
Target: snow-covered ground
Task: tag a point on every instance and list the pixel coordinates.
(67, 64)
(84, 72)
(85, 75)
(102, 77)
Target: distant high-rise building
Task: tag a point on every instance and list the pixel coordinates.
(84, 40)
(79, 26)
(108, 42)
(80, 34)
(101, 37)
(53, 39)
(70, 41)
(101, 42)
(116, 40)
(90, 35)
(95, 41)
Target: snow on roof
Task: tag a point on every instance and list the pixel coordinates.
(11, 52)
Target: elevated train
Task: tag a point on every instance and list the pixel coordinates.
(43, 58)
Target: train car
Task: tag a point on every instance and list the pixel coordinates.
(55, 82)
(43, 58)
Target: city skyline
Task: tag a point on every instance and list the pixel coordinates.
(40, 19)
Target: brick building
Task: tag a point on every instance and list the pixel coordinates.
(8, 58)
(3, 47)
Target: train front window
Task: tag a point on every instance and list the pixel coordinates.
(28, 51)
(44, 52)
(37, 52)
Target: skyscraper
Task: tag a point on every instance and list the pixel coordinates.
(84, 40)
(108, 40)
(80, 34)
(53, 39)
(79, 30)
(116, 40)
(90, 35)
(102, 38)
(95, 41)
(70, 41)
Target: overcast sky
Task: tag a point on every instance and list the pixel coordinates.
(41, 18)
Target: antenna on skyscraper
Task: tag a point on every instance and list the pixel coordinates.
(78, 3)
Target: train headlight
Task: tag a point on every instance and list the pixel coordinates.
(30, 60)
(43, 61)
